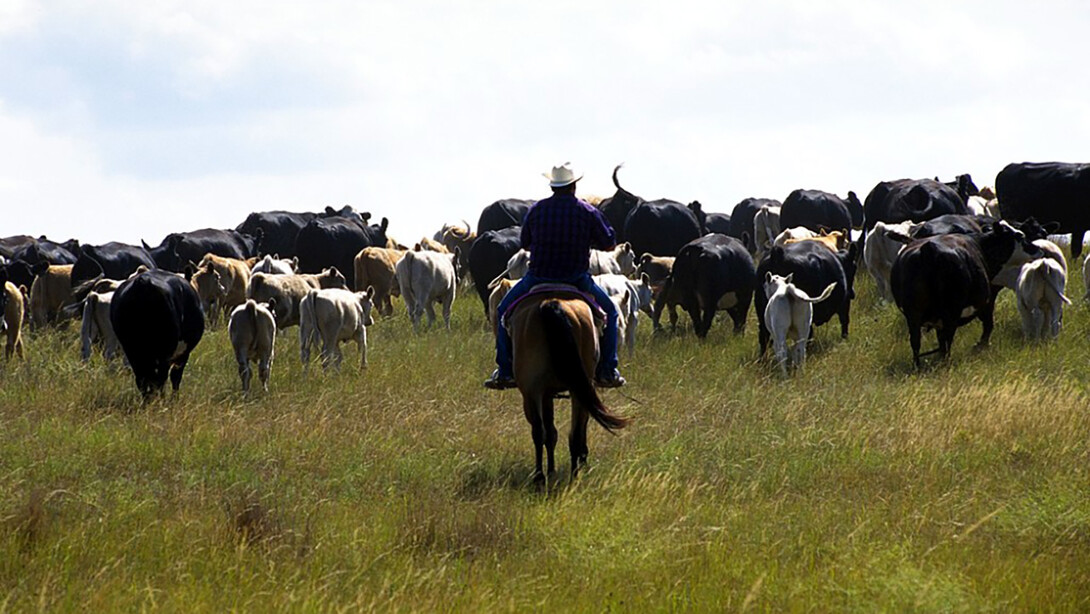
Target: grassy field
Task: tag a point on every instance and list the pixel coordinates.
(860, 485)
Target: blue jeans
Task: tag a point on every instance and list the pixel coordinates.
(607, 362)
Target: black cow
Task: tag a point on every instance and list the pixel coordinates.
(741, 219)
(953, 223)
(503, 213)
(944, 281)
(489, 255)
(181, 249)
(1050, 191)
(280, 229)
(658, 227)
(718, 223)
(334, 242)
(963, 185)
(916, 200)
(41, 249)
(662, 227)
(813, 267)
(18, 273)
(710, 273)
(815, 210)
(111, 260)
(157, 318)
(9, 245)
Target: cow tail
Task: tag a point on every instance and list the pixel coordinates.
(1053, 283)
(568, 366)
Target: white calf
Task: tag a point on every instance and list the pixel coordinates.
(426, 278)
(789, 313)
(252, 329)
(97, 327)
(276, 266)
(637, 296)
(621, 260)
(334, 315)
(1041, 297)
(882, 245)
(1008, 275)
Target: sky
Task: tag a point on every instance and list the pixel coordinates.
(125, 121)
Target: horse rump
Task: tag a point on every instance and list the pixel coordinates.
(568, 365)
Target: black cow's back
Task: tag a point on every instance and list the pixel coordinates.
(334, 242)
(503, 213)
(111, 260)
(817, 210)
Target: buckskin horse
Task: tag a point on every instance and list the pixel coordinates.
(555, 348)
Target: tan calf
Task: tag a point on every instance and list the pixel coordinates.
(52, 288)
(252, 329)
(288, 290)
(12, 324)
(234, 276)
(376, 267)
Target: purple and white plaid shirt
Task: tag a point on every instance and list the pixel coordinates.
(560, 231)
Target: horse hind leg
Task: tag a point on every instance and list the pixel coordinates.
(549, 425)
(532, 409)
(577, 438)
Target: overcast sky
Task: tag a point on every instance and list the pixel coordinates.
(123, 120)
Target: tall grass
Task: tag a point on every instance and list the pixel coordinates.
(858, 485)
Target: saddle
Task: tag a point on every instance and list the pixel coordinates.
(559, 290)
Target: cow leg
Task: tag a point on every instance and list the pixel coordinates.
(914, 338)
(673, 317)
(176, 369)
(987, 318)
(763, 336)
(1029, 325)
(264, 369)
(361, 343)
(709, 317)
(738, 316)
(447, 302)
(244, 372)
(429, 307)
(694, 313)
(1076, 242)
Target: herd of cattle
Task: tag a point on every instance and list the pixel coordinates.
(940, 251)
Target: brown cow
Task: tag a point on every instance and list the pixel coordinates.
(376, 267)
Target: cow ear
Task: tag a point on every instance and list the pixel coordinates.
(142, 242)
(295, 263)
(384, 225)
(644, 259)
(627, 246)
(370, 292)
(645, 279)
(788, 278)
(39, 267)
(768, 277)
(1051, 227)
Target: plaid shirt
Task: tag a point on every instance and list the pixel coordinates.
(559, 232)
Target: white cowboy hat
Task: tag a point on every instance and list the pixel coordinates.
(561, 176)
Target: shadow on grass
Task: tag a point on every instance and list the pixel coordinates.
(515, 475)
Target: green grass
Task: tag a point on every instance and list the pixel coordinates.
(859, 485)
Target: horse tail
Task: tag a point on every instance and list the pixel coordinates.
(568, 365)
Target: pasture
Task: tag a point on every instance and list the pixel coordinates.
(859, 485)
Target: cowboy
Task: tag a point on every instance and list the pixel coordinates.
(559, 233)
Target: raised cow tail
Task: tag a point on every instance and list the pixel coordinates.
(568, 365)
